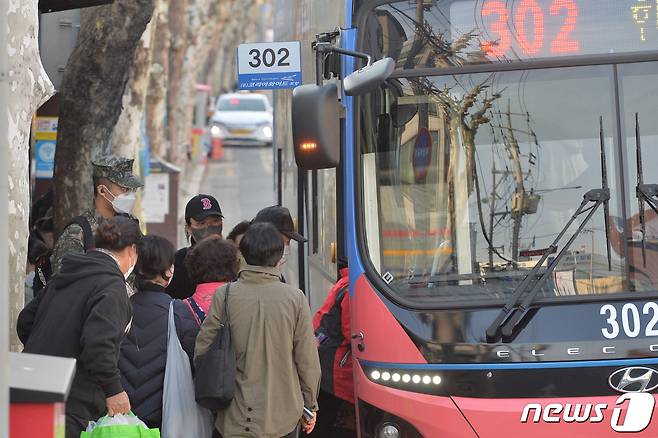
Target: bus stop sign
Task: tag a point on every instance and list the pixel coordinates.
(268, 66)
(422, 154)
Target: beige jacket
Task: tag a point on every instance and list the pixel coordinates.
(278, 369)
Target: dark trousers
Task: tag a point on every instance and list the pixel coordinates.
(329, 407)
(78, 415)
(293, 434)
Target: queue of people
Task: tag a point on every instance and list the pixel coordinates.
(117, 328)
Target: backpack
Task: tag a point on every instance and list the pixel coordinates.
(329, 335)
(43, 271)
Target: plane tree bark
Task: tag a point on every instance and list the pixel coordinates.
(29, 87)
(91, 97)
(156, 99)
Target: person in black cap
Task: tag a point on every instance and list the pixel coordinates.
(203, 218)
(281, 219)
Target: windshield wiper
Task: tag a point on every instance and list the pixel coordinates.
(647, 193)
(604, 185)
(513, 313)
(643, 192)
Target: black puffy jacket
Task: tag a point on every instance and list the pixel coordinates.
(83, 313)
(144, 351)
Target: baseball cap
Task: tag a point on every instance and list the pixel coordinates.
(117, 169)
(281, 219)
(201, 207)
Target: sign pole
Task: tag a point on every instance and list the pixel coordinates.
(4, 233)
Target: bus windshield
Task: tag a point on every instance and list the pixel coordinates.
(472, 177)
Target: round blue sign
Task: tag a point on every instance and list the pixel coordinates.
(422, 154)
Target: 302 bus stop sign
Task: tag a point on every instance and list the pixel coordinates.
(422, 154)
(267, 66)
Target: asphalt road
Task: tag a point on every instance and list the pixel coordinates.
(242, 181)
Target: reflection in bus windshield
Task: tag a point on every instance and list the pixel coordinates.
(477, 174)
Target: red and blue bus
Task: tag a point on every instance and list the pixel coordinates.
(496, 199)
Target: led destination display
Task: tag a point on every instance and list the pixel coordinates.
(529, 29)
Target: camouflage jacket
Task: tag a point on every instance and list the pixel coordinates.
(72, 239)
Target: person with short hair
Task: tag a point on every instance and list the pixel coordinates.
(238, 231)
(278, 370)
(203, 218)
(144, 351)
(84, 313)
(282, 220)
(211, 263)
(114, 193)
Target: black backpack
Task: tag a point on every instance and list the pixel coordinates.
(43, 270)
(214, 378)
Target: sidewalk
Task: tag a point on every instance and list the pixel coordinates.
(242, 182)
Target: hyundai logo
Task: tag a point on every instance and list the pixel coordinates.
(634, 379)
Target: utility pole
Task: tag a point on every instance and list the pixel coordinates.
(492, 214)
(519, 192)
(591, 264)
(4, 220)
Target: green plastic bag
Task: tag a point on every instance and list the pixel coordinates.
(119, 426)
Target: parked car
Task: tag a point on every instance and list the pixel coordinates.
(242, 119)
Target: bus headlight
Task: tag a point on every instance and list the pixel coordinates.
(420, 380)
(389, 431)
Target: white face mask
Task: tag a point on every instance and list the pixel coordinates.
(122, 203)
(284, 258)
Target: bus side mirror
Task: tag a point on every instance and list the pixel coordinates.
(369, 77)
(316, 126)
(316, 115)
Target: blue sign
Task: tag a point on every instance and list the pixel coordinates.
(422, 154)
(268, 66)
(44, 158)
(270, 81)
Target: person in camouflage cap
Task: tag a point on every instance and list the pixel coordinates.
(114, 193)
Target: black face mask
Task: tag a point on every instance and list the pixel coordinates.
(198, 234)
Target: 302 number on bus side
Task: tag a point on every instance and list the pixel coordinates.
(631, 320)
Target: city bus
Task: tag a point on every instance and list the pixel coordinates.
(496, 202)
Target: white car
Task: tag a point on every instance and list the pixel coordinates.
(242, 119)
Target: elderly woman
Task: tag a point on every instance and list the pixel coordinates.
(278, 370)
(144, 351)
(84, 313)
(210, 263)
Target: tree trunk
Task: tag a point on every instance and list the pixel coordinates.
(91, 97)
(179, 42)
(30, 87)
(127, 134)
(156, 103)
(194, 37)
(127, 137)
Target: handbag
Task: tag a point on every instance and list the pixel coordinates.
(214, 380)
(182, 417)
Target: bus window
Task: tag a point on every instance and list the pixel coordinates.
(640, 134)
(478, 182)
